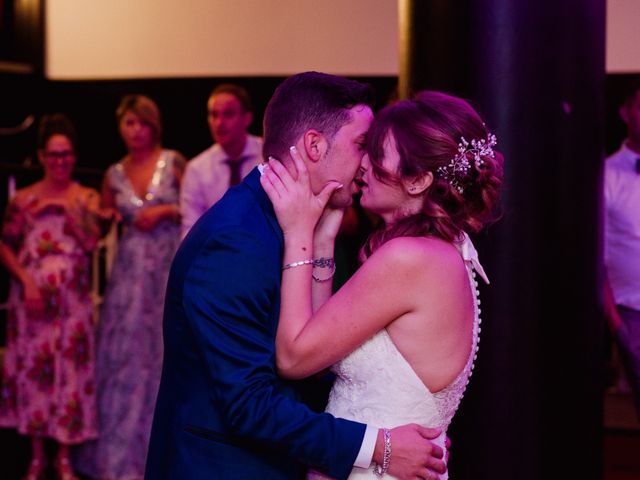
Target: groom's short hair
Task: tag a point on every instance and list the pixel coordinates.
(309, 100)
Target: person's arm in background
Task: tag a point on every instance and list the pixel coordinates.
(107, 210)
(83, 219)
(10, 240)
(192, 202)
(610, 310)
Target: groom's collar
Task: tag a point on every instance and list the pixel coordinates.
(252, 181)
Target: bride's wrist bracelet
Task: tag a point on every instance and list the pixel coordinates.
(297, 264)
(324, 262)
(379, 470)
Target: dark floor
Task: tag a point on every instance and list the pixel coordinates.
(622, 437)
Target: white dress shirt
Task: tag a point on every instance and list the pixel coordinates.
(622, 226)
(206, 179)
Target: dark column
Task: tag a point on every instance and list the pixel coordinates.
(535, 70)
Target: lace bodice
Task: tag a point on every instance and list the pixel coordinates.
(377, 386)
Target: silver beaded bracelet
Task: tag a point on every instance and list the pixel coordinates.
(386, 456)
(297, 264)
(322, 262)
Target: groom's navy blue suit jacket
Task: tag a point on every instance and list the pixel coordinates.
(222, 411)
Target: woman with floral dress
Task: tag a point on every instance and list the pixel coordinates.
(49, 232)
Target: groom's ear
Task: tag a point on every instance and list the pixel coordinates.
(315, 145)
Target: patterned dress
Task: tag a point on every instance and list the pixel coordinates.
(48, 384)
(129, 351)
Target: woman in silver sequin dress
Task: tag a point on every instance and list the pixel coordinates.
(144, 188)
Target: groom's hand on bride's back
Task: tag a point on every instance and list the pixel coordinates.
(414, 455)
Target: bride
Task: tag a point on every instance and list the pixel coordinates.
(402, 333)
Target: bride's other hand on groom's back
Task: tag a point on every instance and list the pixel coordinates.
(414, 455)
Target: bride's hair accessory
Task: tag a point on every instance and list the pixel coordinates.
(379, 470)
(455, 172)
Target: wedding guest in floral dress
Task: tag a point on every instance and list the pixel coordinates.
(50, 229)
(144, 188)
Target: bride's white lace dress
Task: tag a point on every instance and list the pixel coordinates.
(375, 384)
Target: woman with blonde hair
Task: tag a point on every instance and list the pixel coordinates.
(143, 187)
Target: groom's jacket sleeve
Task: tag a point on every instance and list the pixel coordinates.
(231, 299)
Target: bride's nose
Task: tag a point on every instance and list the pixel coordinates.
(365, 163)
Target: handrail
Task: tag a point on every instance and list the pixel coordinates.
(26, 123)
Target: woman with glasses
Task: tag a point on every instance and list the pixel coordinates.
(49, 231)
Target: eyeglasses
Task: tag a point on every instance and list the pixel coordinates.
(59, 155)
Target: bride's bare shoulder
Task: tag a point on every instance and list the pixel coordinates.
(408, 251)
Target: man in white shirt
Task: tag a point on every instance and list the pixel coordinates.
(622, 243)
(224, 164)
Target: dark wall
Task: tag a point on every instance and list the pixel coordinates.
(617, 87)
(22, 35)
(92, 104)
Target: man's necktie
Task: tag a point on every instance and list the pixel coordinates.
(234, 167)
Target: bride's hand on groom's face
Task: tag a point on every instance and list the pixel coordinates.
(297, 207)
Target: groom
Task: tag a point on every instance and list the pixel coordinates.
(222, 411)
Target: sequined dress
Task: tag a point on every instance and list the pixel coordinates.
(129, 346)
(375, 385)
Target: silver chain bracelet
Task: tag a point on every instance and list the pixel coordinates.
(386, 457)
(324, 262)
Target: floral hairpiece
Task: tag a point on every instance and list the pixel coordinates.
(456, 170)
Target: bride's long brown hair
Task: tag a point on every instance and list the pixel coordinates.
(427, 130)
